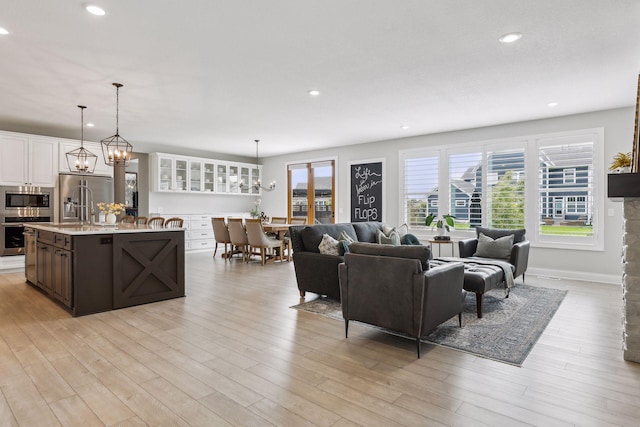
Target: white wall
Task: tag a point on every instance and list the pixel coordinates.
(603, 266)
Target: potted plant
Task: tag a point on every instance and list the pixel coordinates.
(621, 163)
(442, 224)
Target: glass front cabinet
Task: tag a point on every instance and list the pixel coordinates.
(208, 174)
(198, 175)
(195, 175)
(165, 173)
(221, 178)
(181, 174)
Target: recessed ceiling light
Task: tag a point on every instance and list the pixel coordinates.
(510, 37)
(314, 92)
(552, 104)
(95, 10)
(405, 127)
(89, 125)
(3, 31)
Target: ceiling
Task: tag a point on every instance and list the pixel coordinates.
(214, 75)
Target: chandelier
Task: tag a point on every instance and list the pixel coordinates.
(81, 160)
(116, 149)
(257, 184)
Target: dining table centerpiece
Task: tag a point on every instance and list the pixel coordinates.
(111, 210)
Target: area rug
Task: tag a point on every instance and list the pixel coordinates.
(507, 332)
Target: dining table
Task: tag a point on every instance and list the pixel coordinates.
(280, 230)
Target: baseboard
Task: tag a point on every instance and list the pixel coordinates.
(575, 275)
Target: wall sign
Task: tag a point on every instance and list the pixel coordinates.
(366, 191)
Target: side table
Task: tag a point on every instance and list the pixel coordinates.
(443, 242)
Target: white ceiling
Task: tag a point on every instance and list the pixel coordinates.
(214, 75)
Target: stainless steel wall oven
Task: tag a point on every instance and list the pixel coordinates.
(22, 205)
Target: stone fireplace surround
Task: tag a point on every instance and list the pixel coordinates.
(627, 186)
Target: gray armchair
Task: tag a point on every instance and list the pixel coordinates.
(519, 256)
(392, 287)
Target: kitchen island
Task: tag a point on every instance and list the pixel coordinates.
(92, 268)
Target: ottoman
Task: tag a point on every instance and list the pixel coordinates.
(478, 279)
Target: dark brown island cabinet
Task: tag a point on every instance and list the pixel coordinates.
(90, 269)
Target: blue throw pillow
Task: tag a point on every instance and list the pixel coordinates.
(409, 239)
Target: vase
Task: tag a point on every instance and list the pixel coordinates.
(110, 219)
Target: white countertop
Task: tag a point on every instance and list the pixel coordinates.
(79, 229)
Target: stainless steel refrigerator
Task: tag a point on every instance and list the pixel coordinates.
(79, 195)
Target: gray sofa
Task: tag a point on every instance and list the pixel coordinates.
(393, 287)
(316, 272)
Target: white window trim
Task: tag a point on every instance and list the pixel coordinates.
(532, 196)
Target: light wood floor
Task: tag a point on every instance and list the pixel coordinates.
(233, 353)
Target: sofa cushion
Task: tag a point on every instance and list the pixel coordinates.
(499, 248)
(392, 239)
(419, 252)
(366, 231)
(494, 233)
(311, 235)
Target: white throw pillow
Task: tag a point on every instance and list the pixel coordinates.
(401, 229)
(328, 245)
(344, 236)
(392, 239)
(499, 248)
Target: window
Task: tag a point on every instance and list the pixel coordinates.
(569, 176)
(420, 189)
(576, 205)
(485, 183)
(567, 184)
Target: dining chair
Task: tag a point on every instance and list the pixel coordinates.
(128, 219)
(156, 221)
(298, 220)
(221, 234)
(238, 236)
(141, 220)
(174, 223)
(278, 220)
(257, 238)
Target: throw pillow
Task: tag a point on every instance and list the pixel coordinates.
(499, 248)
(328, 245)
(343, 247)
(401, 229)
(392, 239)
(344, 236)
(409, 239)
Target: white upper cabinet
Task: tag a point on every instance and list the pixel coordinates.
(205, 176)
(101, 167)
(26, 160)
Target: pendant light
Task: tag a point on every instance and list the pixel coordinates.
(81, 160)
(116, 149)
(257, 184)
